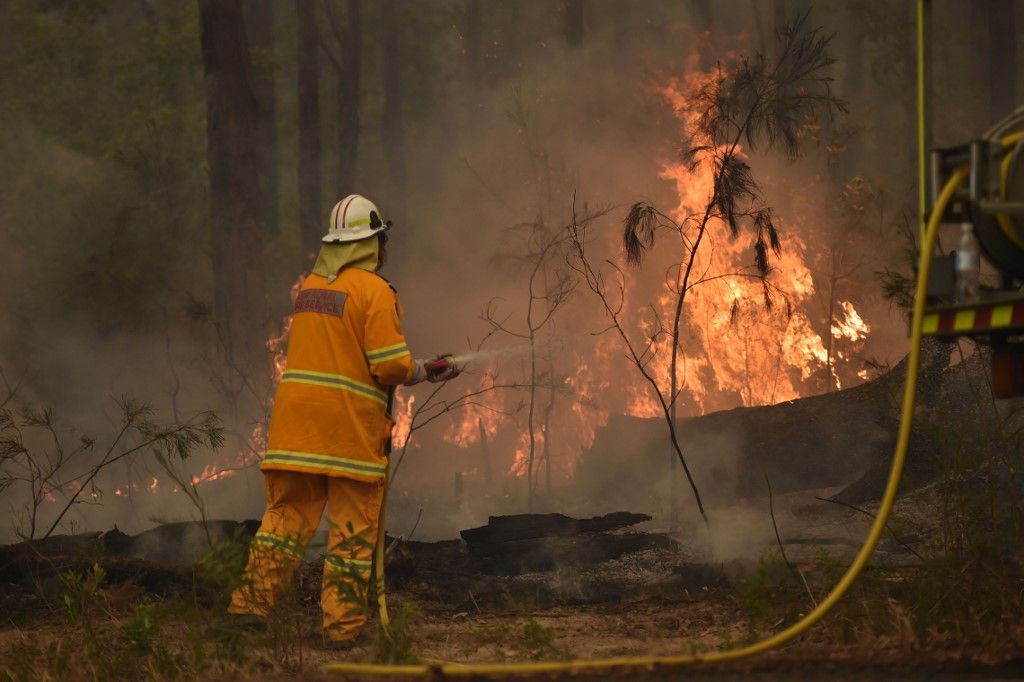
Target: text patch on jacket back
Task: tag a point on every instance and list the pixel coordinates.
(323, 301)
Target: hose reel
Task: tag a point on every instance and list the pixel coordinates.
(993, 201)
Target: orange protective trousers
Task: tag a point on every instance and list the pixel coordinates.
(295, 505)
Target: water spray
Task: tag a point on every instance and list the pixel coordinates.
(443, 362)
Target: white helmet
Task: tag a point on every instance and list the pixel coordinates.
(354, 218)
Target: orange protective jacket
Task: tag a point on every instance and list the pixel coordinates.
(345, 349)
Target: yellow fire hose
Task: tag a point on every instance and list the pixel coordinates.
(816, 614)
(777, 640)
(860, 561)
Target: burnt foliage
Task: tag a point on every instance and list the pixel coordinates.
(638, 234)
(766, 103)
(757, 103)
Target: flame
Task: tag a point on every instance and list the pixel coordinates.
(403, 418)
(731, 342)
(521, 463)
(277, 345)
(734, 348)
(852, 327)
(487, 408)
(211, 473)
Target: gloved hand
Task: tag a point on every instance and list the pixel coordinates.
(419, 372)
(446, 368)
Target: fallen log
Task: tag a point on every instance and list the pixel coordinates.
(843, 438)
(516, 557)
(527, 526)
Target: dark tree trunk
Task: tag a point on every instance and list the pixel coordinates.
(573, 23)
(779, 24)
(472, 41)
(621, 17)
(1002, 59)
(391, 119)
(310, 221)
(485, 452)
(260, 20)
(348, 99)
(231, 130)
(993, 37)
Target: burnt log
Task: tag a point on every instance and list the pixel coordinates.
(180, 543)
(524, 543)
(449, 572)
(527, 526)
(33, 572)
(840, 439)
(515, 557)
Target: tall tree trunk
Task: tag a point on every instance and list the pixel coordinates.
(531, 427)
(762, 35)
(348, 99)
(852, 163)
(979, 65)
(231, 130)
(311, 223)
(573, 23)
(391, 119)
(993, 34)
(1002, 59)
(485, 451)
(546, 430)
(260, 20)
(472, 41)
(779, 24)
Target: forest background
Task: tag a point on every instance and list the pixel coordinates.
(166, 175)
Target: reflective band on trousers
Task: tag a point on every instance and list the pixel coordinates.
(305, 376)
(387, 353)
(276, 542)
(341, 563)
(330, 462)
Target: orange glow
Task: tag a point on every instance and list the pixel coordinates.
(851, 327)
(256, 443)
(212, 473)
(487, 408)
(403, 418)
(730, 343)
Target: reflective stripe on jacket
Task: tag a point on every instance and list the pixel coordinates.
(345, 349)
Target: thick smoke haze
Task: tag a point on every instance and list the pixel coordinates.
(106, 277)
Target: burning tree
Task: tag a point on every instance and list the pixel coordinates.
(759, 102)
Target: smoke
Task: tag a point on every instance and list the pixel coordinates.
(101, 310)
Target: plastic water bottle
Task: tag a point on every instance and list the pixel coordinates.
(968, 265)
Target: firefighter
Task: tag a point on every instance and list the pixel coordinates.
(330, 425)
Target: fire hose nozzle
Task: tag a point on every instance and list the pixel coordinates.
(438, 365)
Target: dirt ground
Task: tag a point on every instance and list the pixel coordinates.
(709, 620)
(653, 627)
(653, 603)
